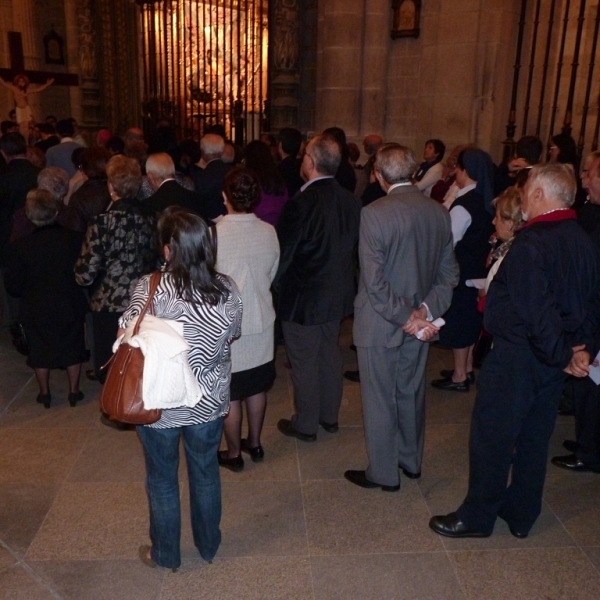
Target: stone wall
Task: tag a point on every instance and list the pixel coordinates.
(453, 82)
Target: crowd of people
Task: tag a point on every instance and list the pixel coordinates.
(280, 241)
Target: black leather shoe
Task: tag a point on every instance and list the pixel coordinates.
(75, 397)
(352, 376)
(256, 454)
(451, 386)
(447, 374)
(514, 532)
(451, 526)
(286, 427)
(44, 399)
(360, 478)
(571, 445)
(409, 474)
(572, 463)
(329, 427)
(233, 464)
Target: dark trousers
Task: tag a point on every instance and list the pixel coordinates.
(587, 420)
(101, 327)
(316, 360)
(513, 418)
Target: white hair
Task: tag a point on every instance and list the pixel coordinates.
(212, 145)
(160, 165)
(557, 181)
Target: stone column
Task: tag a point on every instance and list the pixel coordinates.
(72, 56)
(6, 100)
(24, 21)
(284, 65)
(339, 64)
(376, 42)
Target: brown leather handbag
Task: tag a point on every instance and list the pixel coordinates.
(121, 397)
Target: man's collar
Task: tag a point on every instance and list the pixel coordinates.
(165, 181)
(397, 185)
(557, 214)
(66, 139)
(315, 179)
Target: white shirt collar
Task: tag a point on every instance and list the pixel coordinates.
(466, 189)
(315, 179)
(396, 185)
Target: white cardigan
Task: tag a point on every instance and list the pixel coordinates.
(248, 251)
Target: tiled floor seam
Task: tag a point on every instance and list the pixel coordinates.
(9, 404)
(30, 571)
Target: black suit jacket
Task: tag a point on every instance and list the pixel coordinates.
(40, 272)
(170, 193)
(318, 233)
(209, 185)
(19, 177)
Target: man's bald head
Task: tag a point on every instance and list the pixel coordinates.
(372, 143)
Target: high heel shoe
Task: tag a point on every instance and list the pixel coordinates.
(256, 454)
(44, 399)
(144, 554)
(75, 397)
(233, 464)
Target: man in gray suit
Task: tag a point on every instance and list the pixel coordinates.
(407, 272)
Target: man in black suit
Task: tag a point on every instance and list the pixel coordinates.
(16, 179)
(318, 233)
(209, 180)
(160, 170)
(290, 140)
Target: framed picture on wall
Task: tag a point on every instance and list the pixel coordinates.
(406, 17)
(54, 48)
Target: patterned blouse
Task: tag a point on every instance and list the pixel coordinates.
(209, 331)
(120, 246)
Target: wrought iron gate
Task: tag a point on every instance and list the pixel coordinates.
(205, 63)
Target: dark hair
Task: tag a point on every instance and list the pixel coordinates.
(13, 144)
(65, 128)
(242, 189)
(353, 152)
(268, 138)
(530, 148)
(115, 144)
(439, 147)
(567, 150)
(6, 126)
(190, 148)
(290, 140)
(339, 135)
(192, 256)
(94, 162)
(46, 128)
(77, 156)
(258, 157)
(217, 129)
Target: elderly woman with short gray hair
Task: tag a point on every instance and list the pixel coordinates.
(52, 308)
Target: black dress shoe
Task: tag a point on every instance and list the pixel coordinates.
(286, 427)
(451, 526)
(256, 454)
(235, 464)
(572, 463)
(514, 532)
(75, 397)
(360, 478)
(447, 374)
(571, 445)
(352, 376)
(44, 399)
(410, 474)
(451, 386)
(329, 427)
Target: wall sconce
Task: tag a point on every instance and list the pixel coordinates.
(405, 22)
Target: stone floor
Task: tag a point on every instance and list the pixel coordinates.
(73, 512)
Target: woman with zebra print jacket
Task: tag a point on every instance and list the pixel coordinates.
(210, 308)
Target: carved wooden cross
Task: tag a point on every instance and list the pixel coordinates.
(17, 66)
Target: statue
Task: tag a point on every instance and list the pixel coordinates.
(21, 89)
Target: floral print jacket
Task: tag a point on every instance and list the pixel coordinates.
(120, 246)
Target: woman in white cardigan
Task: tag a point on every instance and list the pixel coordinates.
(248, 251)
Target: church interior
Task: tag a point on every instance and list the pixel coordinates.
(73, 509)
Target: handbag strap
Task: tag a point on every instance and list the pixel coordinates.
(154, 281)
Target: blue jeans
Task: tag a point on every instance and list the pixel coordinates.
(161, 450)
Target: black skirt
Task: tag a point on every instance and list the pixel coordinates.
(463, 320)
(55, 345)
(252, 381)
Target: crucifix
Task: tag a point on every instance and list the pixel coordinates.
(21, 79)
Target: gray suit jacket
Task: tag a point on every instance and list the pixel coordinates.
(406, 258)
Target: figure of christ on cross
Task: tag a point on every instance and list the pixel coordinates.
(26, 82)
(21, 89)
